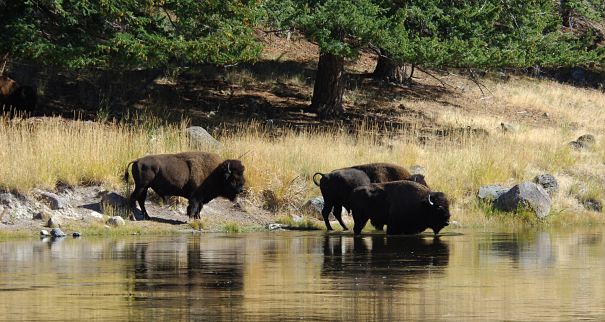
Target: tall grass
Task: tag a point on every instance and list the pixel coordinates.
(41, 153)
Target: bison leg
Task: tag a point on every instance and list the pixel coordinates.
(360, 222)
(198, 210)
(139, 194)
(141, 199)
(325, 212)
(194, 208)
(337, 211)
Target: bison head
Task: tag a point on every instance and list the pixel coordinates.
(7, 85)
(233, 178)
(439, 210)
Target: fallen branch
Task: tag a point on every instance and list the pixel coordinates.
(479, 85)
(444, 84)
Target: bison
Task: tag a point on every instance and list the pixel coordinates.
(197, 176)
(14, 96)
(337, 185)
(406, 207)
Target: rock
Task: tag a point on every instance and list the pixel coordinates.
(95, 214)
(577, 145)
(112, 204)
(44, 233)
(491, 192)
(276, 226)
(587, 139)
(314, 206)
(116, 221)
(114, 199)
(54, 201)
(54, 222)
(508, 127)
(417, 169)
(57, 232)
(6, 198)
(76, 234)
(41, 215)
(199, 138)
(593, 204)
(526, 194)
(548, 182)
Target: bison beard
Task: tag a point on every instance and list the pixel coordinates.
(337, 186)
(197, 176)
(405, 206)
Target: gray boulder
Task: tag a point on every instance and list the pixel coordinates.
(417, 169)
(526, 194)
(593, 204)
(276, 226)
(509, 127)
(491, 192)
(116, 221)
(54, 201)
(57, 232)
(585, 141)
(199, 138)
(113, 199)
(44, 233)
(54, 222)
(314, 206)
(548, 182)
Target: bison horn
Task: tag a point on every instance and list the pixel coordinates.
(228, 168)
(430, 202)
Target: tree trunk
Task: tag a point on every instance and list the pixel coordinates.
(566, 15)
(390, 71)
(329, 86)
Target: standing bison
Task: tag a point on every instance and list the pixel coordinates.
(16, 97)
(406, 207)
(197, 176)
(337, 185)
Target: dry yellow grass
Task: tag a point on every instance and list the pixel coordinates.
(43, 152)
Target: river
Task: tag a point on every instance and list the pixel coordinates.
(471, 275)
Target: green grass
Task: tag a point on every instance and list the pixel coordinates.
(305, 222)
(232, 227)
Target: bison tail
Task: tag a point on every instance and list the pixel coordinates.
(315, 176)
(126, 176)
(126, 171)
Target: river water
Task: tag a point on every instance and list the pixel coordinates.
(467, 275)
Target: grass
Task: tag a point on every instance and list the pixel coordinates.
(199, 224)
(279, 169)
(304, 223)
(232, 227)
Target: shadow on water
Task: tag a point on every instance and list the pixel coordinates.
(351, 261)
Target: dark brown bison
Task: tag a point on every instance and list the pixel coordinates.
(197, 176)
(337, 185)
(16, 97)
(406, 207)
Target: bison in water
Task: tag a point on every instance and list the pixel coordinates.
(406, 207)
(197, 176)
(337, 185)
(15, 97)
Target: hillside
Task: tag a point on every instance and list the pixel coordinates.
(501, 129)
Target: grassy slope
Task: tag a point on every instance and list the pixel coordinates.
(548, 115)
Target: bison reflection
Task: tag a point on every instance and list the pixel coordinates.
(381, 261)
(168, 270)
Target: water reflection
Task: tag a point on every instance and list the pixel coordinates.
(529, 275)
(372, 262)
